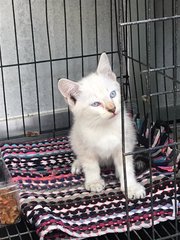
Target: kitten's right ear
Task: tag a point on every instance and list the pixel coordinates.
(69, 90)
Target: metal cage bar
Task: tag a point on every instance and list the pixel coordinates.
(18, 68)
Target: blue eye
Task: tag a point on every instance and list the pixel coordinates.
(95, 104)
(113, 94)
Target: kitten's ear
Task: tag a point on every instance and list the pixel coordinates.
(104, 66)
(69, 89)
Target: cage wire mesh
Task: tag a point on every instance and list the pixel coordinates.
(54, 39)
(149, 46)
(42, 41)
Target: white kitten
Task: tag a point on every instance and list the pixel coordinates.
(96, 135)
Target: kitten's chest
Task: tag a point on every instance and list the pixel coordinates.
(105, 144)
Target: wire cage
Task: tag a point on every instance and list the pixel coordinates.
(42, 41)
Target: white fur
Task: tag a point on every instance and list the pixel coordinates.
(96, 136)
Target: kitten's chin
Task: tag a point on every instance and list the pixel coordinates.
(114, 115)
(110, 116)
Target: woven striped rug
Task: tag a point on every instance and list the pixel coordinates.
(56, 203)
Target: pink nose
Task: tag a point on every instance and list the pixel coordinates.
(112, 110)
(110, 107)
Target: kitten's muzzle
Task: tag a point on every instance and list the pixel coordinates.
(111, 108)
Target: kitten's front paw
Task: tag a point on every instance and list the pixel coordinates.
(76, 167)
(135, 191)
(96, 186)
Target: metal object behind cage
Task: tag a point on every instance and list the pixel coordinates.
(143, 35)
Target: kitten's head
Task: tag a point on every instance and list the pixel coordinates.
(96, 96)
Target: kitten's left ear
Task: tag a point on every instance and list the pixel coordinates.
(104, 66)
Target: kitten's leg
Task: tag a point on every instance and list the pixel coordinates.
(76, 167)
(134, 188)
(91, 169)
